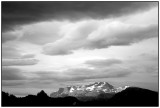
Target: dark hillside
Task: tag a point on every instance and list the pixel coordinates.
(131, 96)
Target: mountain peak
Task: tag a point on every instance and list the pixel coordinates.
(93, 89)
(42, 94)
(104, 85)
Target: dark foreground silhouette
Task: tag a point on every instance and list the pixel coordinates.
(132, 96)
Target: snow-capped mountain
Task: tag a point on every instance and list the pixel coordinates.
(90, 90)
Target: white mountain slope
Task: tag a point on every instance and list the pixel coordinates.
(87, 90)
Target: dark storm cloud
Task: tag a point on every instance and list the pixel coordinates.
(12, 74)
(19, 13)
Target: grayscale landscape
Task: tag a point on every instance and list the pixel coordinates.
(79, 53)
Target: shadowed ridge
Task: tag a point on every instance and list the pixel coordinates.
(42, 94)
(131, 96)
(134, 96)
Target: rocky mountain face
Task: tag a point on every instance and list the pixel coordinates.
(91, 90)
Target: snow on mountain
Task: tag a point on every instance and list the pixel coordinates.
(119, 89)
(90, 88)
(87, 90)
(71, 90)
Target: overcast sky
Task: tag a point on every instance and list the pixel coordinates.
(47, 45)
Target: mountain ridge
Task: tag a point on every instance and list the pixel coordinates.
(89, 90)
(131, 96)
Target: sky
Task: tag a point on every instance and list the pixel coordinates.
(47, 45)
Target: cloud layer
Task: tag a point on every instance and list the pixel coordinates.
(94, 35)
(19, 62)
(12, 74)
(50, 44)
(10, 52)
(103, 63)
(97, 69)
(19, 13)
